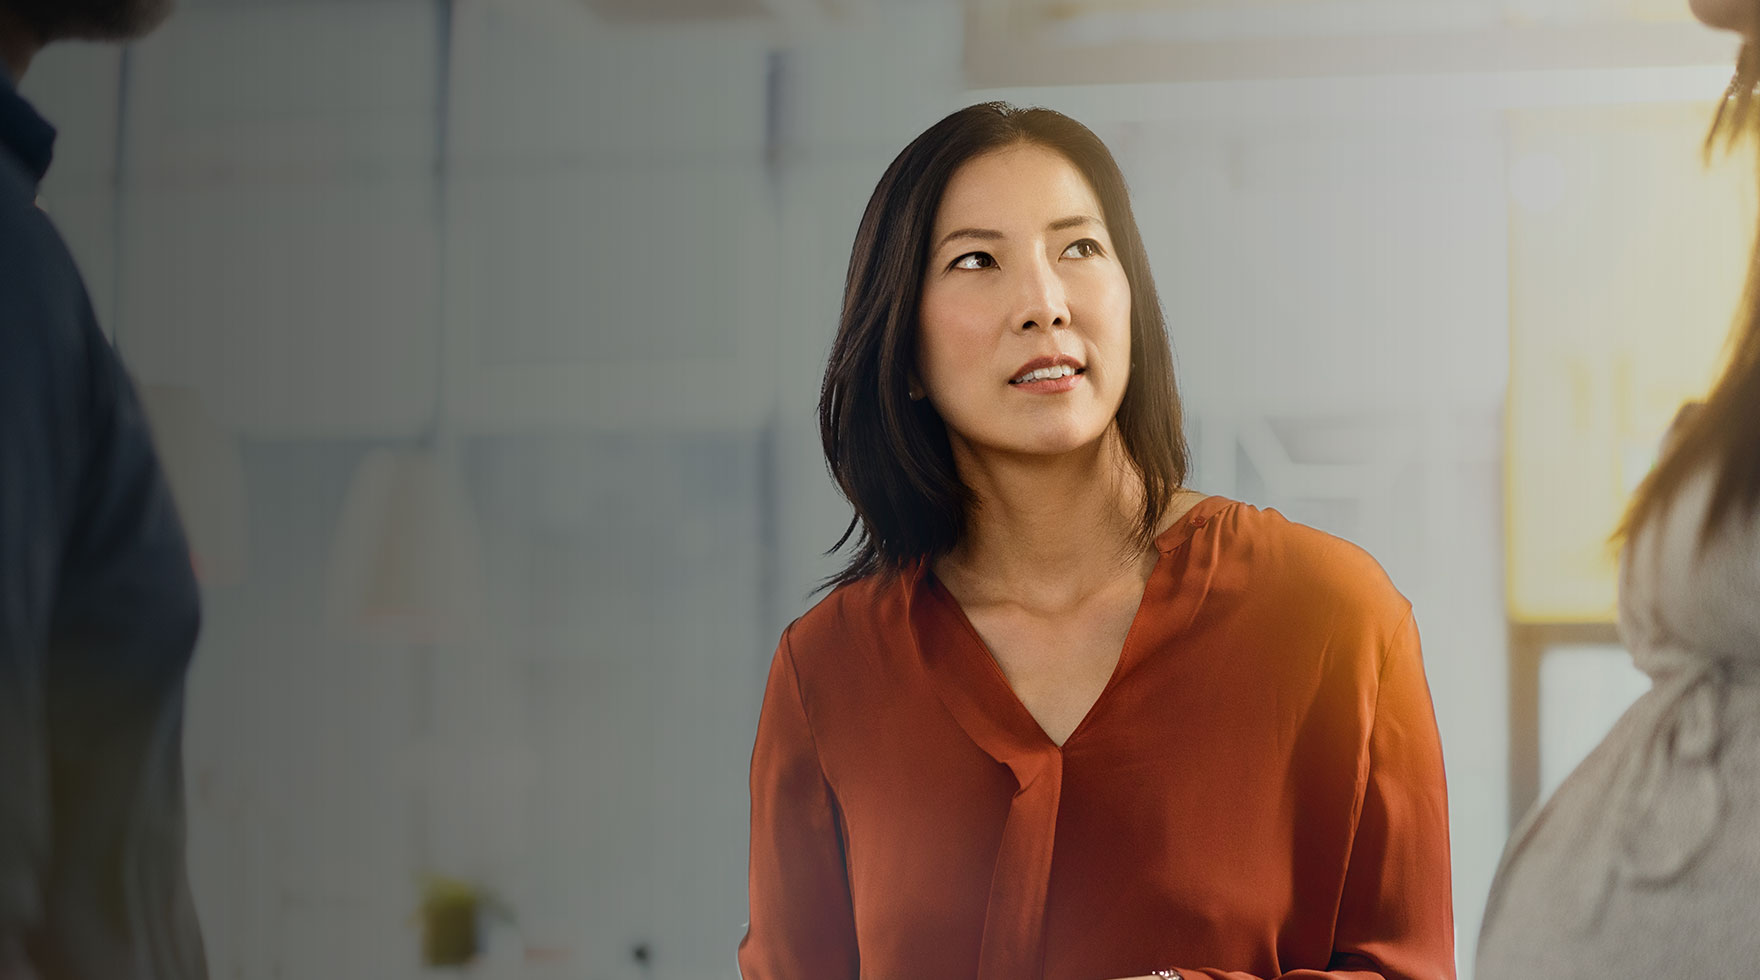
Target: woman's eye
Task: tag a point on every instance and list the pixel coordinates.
(1087, 248)
(973, 260)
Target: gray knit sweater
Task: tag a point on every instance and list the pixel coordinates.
(1646, 862)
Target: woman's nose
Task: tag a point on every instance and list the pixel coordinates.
(1043, 300)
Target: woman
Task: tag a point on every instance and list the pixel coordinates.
(1646, 861)
(1062, 717)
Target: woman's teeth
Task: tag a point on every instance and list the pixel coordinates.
(1060, 371)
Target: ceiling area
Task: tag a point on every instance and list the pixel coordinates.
(1057, 42)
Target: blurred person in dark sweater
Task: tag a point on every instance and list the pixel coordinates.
(98, 603)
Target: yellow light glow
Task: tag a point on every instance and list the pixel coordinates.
(1622, 290)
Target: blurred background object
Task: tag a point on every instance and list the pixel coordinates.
(1437, 272)
(450, 910)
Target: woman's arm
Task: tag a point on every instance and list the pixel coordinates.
(1396, 916)
(802, 921)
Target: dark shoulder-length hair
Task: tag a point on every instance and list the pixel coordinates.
(890, 455)
(1723, 433)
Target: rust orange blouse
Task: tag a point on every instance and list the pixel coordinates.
(1257, 792)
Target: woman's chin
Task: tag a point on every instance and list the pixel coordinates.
(1055, 445)
(1048, 436)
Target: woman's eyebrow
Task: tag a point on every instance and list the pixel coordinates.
(1075, 221)
(983, 234)
(991, 235)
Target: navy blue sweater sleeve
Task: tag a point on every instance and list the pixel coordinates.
(98, 617)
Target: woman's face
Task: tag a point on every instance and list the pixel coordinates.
(1024, 335)
(1731, 15)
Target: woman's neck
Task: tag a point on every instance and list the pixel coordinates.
(1047, 532)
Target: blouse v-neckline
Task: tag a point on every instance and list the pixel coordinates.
(981, 672)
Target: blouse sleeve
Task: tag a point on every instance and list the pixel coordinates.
(802, 920)
(1396, 916)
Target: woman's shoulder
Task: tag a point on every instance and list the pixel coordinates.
(1682, 586)
(1295, 563)
(855, 614)
(1265, 535)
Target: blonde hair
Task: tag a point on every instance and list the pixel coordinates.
(1724, 432)
(1738, 100)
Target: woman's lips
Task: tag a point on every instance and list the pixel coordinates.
(1049, 386)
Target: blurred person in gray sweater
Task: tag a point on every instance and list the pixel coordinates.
(1646, 861)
